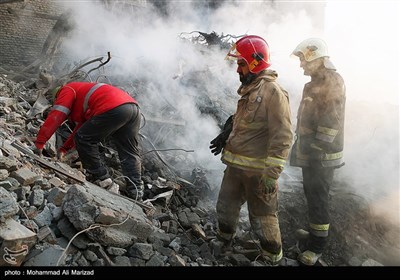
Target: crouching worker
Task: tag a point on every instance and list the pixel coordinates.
(99, 111)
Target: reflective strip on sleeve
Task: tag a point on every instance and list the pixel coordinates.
(61, 108)
(326, 134)
(331, 160)
(90, 92)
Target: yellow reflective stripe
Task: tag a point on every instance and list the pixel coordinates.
(333, 156)
(324, 137)
(258, 163)
(252, 125)
(275, 161)
(322, 227)
(243, 161)
(273, 257)
(327, 131)
(326, 134)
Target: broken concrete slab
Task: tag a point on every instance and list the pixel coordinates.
(115, 221)
(48, 257)
(16, 241)
(8, 205)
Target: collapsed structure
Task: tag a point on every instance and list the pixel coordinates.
(51, 216)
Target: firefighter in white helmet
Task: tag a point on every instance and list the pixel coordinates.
(318, 148)
(254, 147)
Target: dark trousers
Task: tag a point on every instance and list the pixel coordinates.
(122, 125)
(316, 183)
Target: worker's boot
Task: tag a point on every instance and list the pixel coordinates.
(98, 175)
(221, 247)
(271, 258)
(309, 258)
(135, 191)
(314, 249)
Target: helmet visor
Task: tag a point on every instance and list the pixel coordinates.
(233, 54)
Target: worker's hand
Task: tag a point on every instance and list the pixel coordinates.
(270, 184)
(217, 144)
(60, 155)
(37, 151)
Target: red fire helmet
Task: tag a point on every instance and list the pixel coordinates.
(254, 50)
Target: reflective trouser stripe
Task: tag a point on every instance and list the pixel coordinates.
(320, 230)
(273, 257)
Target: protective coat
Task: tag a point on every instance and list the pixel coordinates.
(70, 103)
(261, 135)
(320, 121)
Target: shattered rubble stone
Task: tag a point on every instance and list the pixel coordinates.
(56, 220)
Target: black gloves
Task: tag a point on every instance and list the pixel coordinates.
(218, 143)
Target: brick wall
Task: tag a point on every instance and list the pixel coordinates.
(24, 27)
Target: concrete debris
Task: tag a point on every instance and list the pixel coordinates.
(52, 218)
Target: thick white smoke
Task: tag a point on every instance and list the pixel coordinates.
(363, 43)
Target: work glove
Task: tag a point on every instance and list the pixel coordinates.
(37, 151)
(218, 143)
(269, 184)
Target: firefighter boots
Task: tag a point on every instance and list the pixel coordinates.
(308, 258)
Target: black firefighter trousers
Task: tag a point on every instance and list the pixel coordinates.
(316, 183)
(122, 125)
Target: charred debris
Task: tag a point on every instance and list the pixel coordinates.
(51, 216)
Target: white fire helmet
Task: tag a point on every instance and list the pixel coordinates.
(312, 49)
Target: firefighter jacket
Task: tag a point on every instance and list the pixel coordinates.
(261, 136)
(79, 101)
(320, 122)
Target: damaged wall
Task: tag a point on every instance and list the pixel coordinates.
(24, 28)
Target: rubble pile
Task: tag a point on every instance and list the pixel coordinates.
(65, 220)
(51, 216)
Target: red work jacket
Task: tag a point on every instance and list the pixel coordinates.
(79, 101)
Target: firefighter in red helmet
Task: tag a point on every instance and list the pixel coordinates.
(255, 144)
